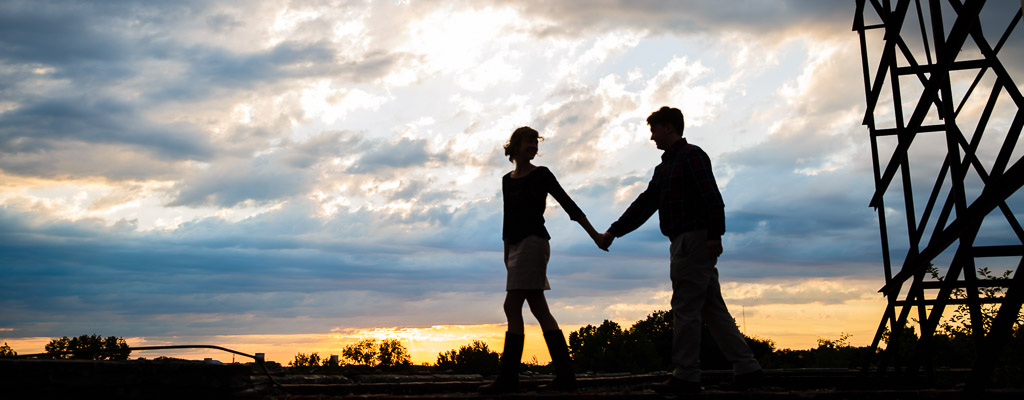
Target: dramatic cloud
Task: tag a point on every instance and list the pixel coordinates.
(207, 168)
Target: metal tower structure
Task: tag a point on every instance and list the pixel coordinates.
(945, 116)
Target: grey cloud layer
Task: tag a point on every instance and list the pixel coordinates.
(268, 265)
(37, 127)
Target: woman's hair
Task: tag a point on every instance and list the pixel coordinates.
(516, 141)
(668, 116)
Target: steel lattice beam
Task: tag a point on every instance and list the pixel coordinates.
(925, 65)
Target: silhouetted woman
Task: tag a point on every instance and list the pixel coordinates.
(525, 192)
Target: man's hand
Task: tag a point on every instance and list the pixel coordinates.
(715, 248)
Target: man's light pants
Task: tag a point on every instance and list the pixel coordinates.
(697, 299)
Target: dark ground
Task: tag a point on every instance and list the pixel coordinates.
(176, 379)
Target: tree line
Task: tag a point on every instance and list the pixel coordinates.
(84, 347)
(385, 354)
(645, 347)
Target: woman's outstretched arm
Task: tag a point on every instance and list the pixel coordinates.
(594, 235)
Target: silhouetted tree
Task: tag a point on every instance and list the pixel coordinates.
(646, 346)
(953, 344)
(601, 348)
(448, 359)
(830, 353)
(302, 360)
(475, 357)
(388, 353)
(839, 353)
(904, 343)
(7, 351)
(88, 347)
(392, 354)
(651, 340)
(1010, 366)
(363, 352)
(763, 349)
(958, 323)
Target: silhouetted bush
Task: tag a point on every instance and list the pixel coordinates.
(88, 347)
(475, 358)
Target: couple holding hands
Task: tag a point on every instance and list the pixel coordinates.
(691, 214)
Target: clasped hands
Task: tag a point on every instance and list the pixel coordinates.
(603, 240)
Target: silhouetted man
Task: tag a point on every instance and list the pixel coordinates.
(690, 209)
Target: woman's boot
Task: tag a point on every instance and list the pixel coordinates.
(508, 375)
(565, 379)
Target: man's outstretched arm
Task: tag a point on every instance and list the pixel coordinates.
(636, 214)
(639, 212)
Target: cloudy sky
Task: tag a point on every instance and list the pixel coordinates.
(279, 176)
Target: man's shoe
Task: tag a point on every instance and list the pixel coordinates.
(745, 381)
(677, 386)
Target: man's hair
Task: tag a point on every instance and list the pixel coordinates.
(516, 141)
(668, 116)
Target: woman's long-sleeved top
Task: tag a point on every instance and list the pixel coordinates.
(525, 199)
